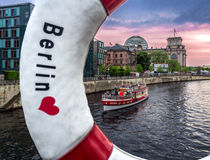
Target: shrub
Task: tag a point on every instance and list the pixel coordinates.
(11, 75)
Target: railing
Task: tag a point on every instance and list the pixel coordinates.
(85, 79)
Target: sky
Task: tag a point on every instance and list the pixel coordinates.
(155, 20)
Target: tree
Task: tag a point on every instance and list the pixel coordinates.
(127, 70)
(186, 69)
(159, 57)
(111, 70)
(173, 65)
(143, 58)
(195, 69)
(160, 69)
(102, 69)
(121, 71)
(139, 68)
(178, 67)
(151, 68)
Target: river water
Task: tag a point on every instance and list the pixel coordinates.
(174, 123)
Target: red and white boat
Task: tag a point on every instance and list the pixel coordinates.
(124, 96)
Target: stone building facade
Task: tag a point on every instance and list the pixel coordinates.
(122, 55)
(119, 55)
(176, 50)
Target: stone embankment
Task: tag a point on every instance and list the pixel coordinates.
(10, 93)
(104, 85)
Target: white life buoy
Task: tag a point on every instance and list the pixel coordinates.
(53, 96)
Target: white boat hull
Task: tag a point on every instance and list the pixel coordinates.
(116, 107)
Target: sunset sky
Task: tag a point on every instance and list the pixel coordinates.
(155, 20)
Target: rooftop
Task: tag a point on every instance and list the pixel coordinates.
(17, 4)
(116, 47)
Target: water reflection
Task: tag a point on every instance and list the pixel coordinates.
(174, 123)
(117, 116)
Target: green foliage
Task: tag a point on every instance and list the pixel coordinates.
(143, 58)
(206, 69)
(160, 69)
(195, 69)
(151, 68)
(139, 68)
(114, 71)
(121, 71)
(178, 68)
(102, 69)
(186, 69)
(159, 57)
(111, 70)
(127, 70)
(11, 75)
(173, 65)
(190, 68)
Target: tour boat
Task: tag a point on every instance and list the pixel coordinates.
(124, 96)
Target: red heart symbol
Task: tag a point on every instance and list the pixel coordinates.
(47, 106)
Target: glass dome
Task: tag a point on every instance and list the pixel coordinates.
(135, 41)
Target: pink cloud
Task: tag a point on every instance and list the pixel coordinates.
(195, 38)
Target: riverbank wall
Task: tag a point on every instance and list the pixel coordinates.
(10, 94)
(104, 85)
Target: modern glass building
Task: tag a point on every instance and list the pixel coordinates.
(98, 55)
(94, 59)
(88, 70)
(13, 22)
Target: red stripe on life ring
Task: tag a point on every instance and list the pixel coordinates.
(94, 146)
(111, 5)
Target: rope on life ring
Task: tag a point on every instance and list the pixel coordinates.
(53, 55)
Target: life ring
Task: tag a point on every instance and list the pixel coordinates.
(53, 96)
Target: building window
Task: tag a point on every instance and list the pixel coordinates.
(14, 11)
(115, 55)
(14, 55)
(7, 12)
(5, 33)
(120, 55)
(16, 43)
(16, 64)
(1, 33)
(4, 54)
(7, 22)
(26, 14)
(7, 64)
(8, 44)
(2, 13)
(14, 33)
(17, 21)
(174, 56)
